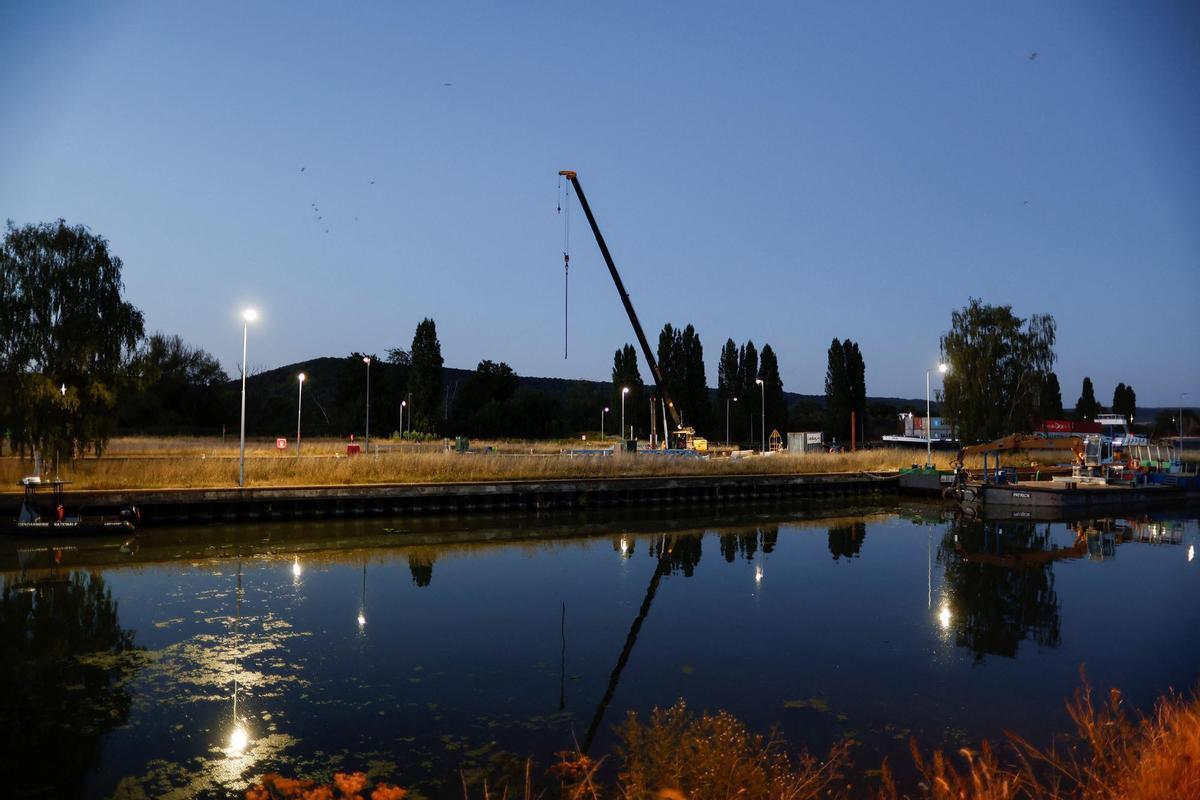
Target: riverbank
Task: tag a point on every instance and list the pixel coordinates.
(187, 505)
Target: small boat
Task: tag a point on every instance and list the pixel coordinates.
(31, 521)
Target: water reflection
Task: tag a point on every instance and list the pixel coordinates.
(846, 541)
(65, 664)
(478, 666)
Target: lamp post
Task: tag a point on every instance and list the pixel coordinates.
(727, 399)
(763, 413)
(367, 361)
(403, 405)
(248, 316)
(942, 368)
(603, 411)
(299, 405)
(624, 391)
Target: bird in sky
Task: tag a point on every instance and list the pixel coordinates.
(1033, 56)
(372, 183)
(447, 84)
(302, 169)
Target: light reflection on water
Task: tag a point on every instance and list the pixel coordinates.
(228, 653)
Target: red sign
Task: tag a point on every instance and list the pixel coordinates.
(281, 443)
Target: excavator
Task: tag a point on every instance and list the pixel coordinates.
(679, 436)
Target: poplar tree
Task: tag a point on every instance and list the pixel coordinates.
(747, 386)
(776, 405)
(425, 377)
(1086, 407)
(1050, 400)
(837, 392)
(625, 374)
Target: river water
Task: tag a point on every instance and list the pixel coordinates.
(418, 650)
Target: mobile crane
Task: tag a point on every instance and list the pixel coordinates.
(681, 433)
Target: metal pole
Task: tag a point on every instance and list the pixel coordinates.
(763, 413)
(242, 443)
(727, 422)
(928, 427)
(299, 405)
(624, 391)
(602, 436)
(368, 360)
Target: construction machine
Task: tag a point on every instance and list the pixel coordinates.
(678, 435)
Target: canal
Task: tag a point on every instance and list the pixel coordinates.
(187, 662)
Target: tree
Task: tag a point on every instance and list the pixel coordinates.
(837, 392)
(747, 385)
(625, 374)
(425, 377)
(1124, 401)
(727, 382)
(1086, 407)
(998, 363)
(776, 405)
(178, 389)
(66, 338)
(479, 403)
(1050, 400)
(681, 361)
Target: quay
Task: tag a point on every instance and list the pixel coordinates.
(208, 505)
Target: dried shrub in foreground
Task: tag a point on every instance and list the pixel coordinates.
(1112, 755)
(345, 786)
(676, 753)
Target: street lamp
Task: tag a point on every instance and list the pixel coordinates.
(403, 405)
(942, 368)
(367, 361)
(624, 391)
(299, 405)
(763, 412)
(248, 316)
(603, 411)
(727, 399)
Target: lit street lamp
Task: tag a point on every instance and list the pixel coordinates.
(299, 405)
(367, 361)
(248, 316)
(942, 368)
(403, 405)
(763, 386)
(603, 411)
(727, 399)
(624, 391)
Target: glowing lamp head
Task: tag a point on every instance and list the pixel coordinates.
(302, 377)
(606, 409)
(759, 381)
(403, 403)
(366, 359)
(250, 314)
(624, 390)
(943, 368)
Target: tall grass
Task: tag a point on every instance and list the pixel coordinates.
(138, 463)
(675, 755)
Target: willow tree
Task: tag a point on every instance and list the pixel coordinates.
(998, 364)
(66, 338)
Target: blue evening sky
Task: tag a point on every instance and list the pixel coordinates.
(781, 172)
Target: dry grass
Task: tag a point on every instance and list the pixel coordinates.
(676, 755)
(1112, 755)
(144, 463)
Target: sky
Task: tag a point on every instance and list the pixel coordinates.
(785, 173)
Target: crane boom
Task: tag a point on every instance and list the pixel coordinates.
(637, 326)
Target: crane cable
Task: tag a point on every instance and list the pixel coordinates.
(565, 200)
